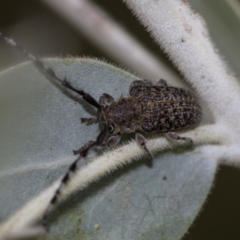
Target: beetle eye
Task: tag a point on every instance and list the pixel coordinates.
(111, 128)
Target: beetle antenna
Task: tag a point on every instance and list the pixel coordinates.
(50, 72)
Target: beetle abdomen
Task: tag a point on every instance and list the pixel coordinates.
(168, 109)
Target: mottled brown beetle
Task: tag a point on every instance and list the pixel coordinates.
(148, 108)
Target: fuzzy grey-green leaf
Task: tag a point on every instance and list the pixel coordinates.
(40, 126)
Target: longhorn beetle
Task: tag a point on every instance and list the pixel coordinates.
(148, 108)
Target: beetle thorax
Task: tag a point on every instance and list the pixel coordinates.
(124, 113)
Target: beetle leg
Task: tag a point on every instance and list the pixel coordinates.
(114, 140)
(175, 137)
(82, 151)
(161, 82)
(137, 85)
(105, 99)
(140, 139)
(89, 121)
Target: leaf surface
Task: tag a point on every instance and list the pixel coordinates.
(40, 125)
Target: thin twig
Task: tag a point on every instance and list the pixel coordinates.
(102, 165)
(183, 35)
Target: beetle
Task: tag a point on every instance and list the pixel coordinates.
(149, 108)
